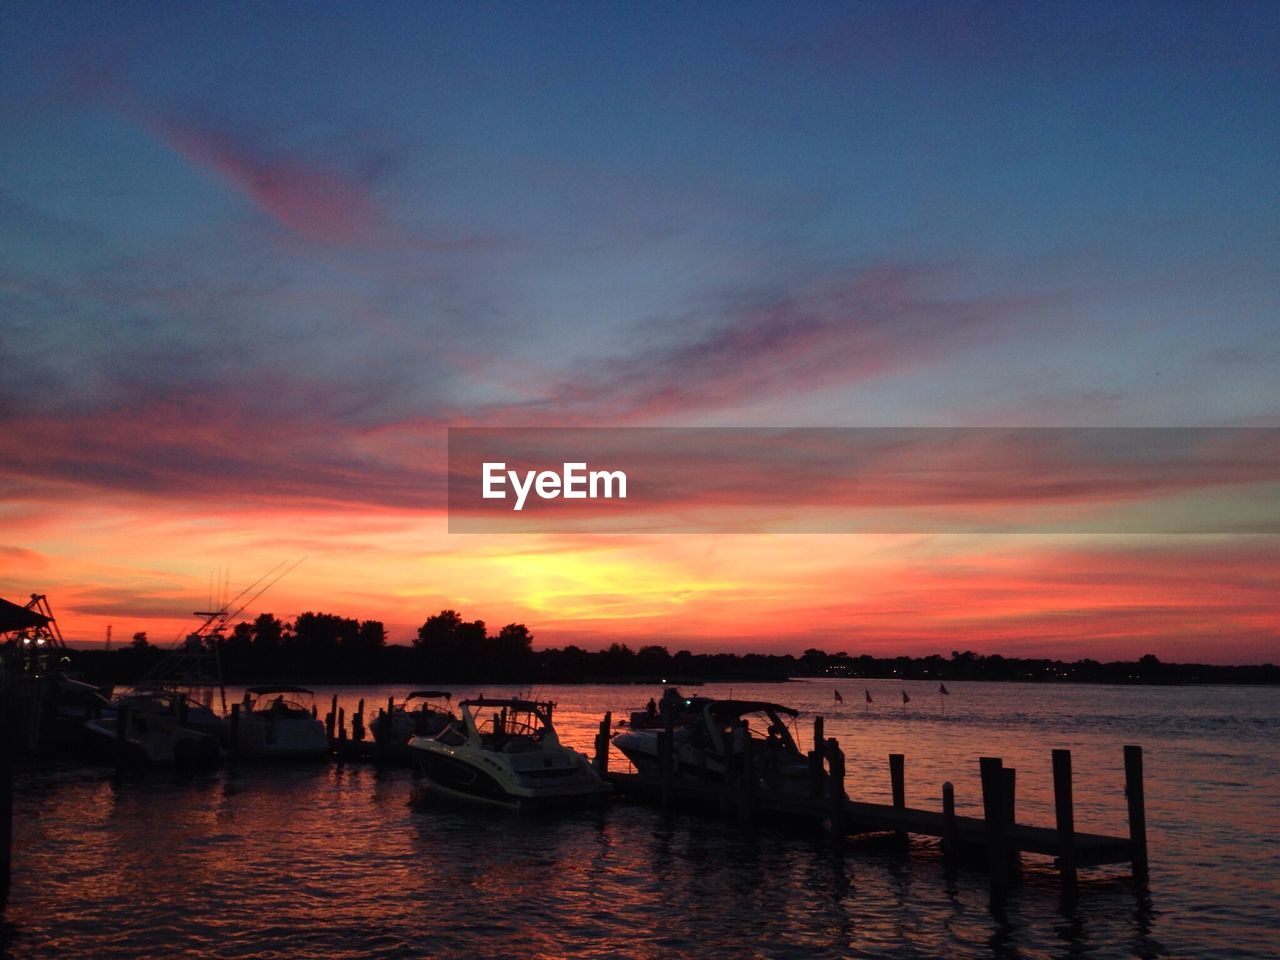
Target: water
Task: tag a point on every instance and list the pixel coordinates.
(334, 862)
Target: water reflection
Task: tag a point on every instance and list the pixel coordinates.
(334, 861)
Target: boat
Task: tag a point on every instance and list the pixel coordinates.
(68, 704)
(505, 753)
(653, 716)
(154, 732)
(711, 743)
(279, 723)
(424, 718)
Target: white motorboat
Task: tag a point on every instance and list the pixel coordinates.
(716, 735)
(505, 753)
(154, 732)
(279, 723)
(422, 713)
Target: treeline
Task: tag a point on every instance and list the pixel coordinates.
(323, 647)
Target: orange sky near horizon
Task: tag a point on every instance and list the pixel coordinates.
(146, 567)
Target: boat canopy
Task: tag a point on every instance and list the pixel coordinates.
(514, 704)
(430, 694)
(734, 708)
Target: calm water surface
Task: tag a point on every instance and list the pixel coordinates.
(334, 862)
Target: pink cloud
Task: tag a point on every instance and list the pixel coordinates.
(314, 203)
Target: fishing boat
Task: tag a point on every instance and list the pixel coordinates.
(154, 732)
(505, 753)
(422, 713)
(712, 743)
(192, 667)
(279, 723)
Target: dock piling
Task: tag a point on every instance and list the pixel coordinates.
(993, 792)
(666, 756)
(898, 781)
(747, 787)
(601, 759)
(835, 796)
(6, 807)
(949, 822)
(1134, 793)
(1009, 785)
(233, 734)
(815, 762)
(1064, 814)
(122, 727)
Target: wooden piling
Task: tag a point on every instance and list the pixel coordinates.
(815, 762)
(331, 720)
(666, 757)
(835, 793)
(6, 808)
(233, 734)
(993, 792)
(949, 844)
(342, 724)
(122, 727)
(1064, 814)
(357, 723)
(747, 786)
(1135, 793)
(601, 759)
(898, 782)
(1009, 786)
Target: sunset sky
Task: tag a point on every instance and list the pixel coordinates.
(255, 260)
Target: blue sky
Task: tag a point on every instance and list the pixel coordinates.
(282, 247)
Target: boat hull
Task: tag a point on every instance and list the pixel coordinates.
(491, 779)
(286, 738)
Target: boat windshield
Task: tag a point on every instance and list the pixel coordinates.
(765, 723)
(278, 703)
(500, 724)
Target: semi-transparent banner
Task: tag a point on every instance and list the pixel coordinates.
(870, 480)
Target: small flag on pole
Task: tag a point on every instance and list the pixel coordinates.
(839, 699)
(942, 689)
(905, 698)
(868, 693)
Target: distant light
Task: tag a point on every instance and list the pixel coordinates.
(40, 642)
(26, 641)
(664, 679)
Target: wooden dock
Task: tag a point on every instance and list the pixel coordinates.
(996, 837)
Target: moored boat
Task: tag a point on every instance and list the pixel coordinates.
(150, 728)
(422, 713)
(712, 742)
(506, 753)
(279, 723)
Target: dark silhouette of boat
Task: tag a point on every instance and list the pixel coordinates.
(506, 753)
(711, 737)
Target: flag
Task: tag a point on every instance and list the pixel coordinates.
(868, 693)
(905, 698)
(942, 689)
(839, 699)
